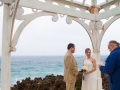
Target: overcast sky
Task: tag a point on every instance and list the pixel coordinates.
(45, 37)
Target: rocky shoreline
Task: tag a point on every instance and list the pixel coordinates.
(52, 82)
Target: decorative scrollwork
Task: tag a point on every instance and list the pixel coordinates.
(19, 14)
(107, 18)
(96, 50)
(61, 15)
(107, 8)
(99, 25)
(78, 20)
(96, 25)
(83, 19)
(27, 19)
(68, 20)
(20, 11)
(1, 2)
(12, 8)
(55, 18)
(117, 4)
(35, 10)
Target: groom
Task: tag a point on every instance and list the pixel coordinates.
(70, 68)
(112, 65)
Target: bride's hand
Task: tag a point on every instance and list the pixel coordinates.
(87, 72)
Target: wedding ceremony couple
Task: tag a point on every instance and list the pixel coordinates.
(111, 68)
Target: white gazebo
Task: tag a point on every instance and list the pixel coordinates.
(13, 9)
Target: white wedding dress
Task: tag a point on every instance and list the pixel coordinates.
(90, 82)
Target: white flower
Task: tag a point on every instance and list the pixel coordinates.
(85, 68)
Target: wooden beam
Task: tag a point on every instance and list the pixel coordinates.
(76, 4)
(8, 1)
(55, 9)
(109, 13)
(109, 3)
(68, 11)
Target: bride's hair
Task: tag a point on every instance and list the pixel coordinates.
(87, 49)
(115, 42)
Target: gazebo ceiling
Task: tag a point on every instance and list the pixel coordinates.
(86, 4)
(100, 3)
(89, 2)
(74, 3)
(82, 4)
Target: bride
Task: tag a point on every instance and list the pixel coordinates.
(89, 83)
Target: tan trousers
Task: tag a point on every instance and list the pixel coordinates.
(70, 86)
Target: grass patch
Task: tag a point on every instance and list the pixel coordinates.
(78, 87)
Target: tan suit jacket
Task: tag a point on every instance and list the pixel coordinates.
(70, 68)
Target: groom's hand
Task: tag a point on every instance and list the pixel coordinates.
(79, 72)
(87, 72)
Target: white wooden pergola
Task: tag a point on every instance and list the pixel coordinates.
(13, 9)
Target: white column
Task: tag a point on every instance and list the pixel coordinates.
(96, 55)
(6, 55)
(96, 48)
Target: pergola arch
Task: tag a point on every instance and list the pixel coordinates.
(85, 26)
(27, 19)
(30, 17)
(107, 25)
(95, 29)
(110, 34)
(36, 41)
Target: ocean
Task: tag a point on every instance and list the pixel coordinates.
(38, 66)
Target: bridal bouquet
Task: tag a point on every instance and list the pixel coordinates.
(83, 70)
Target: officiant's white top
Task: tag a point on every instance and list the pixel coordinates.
(89, 83)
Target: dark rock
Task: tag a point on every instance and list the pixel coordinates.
(105, 82)
(51, 82)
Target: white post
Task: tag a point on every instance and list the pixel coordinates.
(96, 49)
(6, 55)
(96, 55)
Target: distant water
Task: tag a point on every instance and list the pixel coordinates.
(38, 66)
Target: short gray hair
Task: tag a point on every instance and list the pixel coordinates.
(115, 42)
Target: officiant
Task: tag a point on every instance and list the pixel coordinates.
(112, 65)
